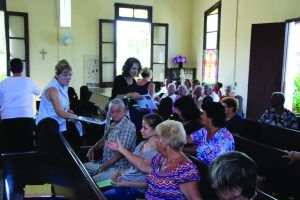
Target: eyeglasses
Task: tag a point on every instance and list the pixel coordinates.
(67, 74)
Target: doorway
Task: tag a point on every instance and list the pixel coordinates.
(133, 40)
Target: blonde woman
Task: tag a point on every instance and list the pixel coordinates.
(145, 85)
(171, 174)
(55, 101)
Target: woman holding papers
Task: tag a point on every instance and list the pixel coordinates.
(55, 101)
(124, 85)
(171, 175)
(131, 184)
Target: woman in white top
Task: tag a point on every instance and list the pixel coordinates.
(16, 109)
(55, 101)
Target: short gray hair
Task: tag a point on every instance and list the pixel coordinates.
(230, 88)
(115, 101)
(234, 169)
(183, 87)
(173, 132)
(200, 88)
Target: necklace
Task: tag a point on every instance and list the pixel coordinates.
(164, 166)
(129, 80)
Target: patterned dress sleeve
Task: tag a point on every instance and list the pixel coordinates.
(264, 116)
(225, 144)
(187, 172)
(294, 122)
(197, 136)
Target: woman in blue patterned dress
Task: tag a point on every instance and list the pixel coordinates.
(213, 139)
(171, 174)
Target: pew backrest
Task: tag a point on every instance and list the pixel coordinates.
(283, 138)
(207, 192)
(65, 168)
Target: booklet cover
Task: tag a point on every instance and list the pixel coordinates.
(91, 120)
(146, 102)
(104, 183)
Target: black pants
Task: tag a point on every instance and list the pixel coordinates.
(17, 135)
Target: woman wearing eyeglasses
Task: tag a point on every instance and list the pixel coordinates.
(54, 100)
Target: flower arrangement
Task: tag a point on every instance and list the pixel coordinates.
(179, 59)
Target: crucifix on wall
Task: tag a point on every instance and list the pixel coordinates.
(43, 52)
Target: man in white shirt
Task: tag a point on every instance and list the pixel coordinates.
(171, 92)
(208, 90)
(16, 109)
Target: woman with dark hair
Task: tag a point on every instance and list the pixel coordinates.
(217, 89)
(165, 108)
(188, 85)
(188, 114)
(16, 110)
(124, 85)
(213, 139)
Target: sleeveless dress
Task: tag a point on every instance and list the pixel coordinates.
(143, 89)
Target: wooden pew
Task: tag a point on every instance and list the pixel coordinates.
(282, 138)
(278, 137)
(279, 175)
(55, 163)
(252, 130)
(205, 188)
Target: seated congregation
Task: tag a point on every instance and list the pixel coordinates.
(191, 144)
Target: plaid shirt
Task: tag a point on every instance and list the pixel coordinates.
(125, 131)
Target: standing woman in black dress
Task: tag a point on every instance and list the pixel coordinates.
(124, 85)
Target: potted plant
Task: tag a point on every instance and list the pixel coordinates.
(179, 60)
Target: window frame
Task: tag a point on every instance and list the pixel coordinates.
(133, 6)
(208, 12)
(25, 38)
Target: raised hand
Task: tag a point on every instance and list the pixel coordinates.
(116, 146)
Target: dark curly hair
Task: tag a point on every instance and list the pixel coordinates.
(216, 112)
(187, 107)
(128, 64)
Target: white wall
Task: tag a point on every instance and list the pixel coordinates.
(44, 31)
